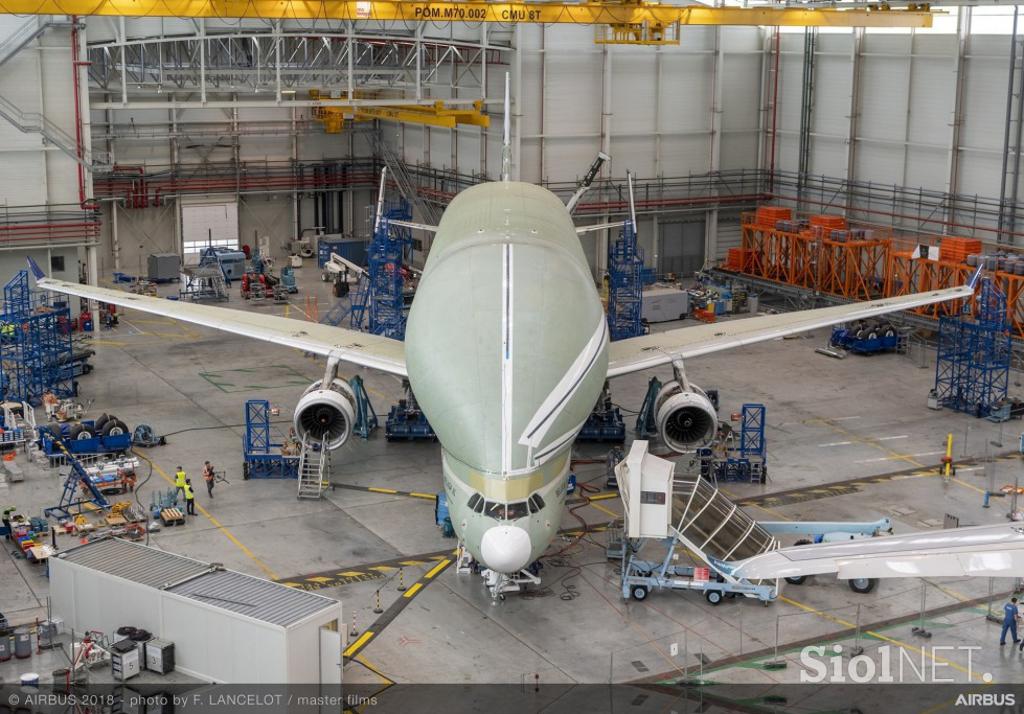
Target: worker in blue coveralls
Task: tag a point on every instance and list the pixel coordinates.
(1010, 615)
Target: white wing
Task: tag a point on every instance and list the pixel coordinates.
(979, 551)
(598, 227)
(415, 226)
(638, 353)
(359, 348)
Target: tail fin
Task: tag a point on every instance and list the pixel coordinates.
(506, 143)
(380, 199)
(36, 270)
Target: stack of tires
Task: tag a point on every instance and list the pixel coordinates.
(106, 425)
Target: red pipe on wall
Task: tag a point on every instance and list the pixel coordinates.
(75, 65)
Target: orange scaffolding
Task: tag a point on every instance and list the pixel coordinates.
(828, 257)
(853, 268)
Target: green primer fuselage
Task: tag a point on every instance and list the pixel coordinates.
(507, 351)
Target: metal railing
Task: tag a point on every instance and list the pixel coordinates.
(19, 39)
(36, 123)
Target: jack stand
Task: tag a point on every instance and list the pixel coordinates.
(464, 561)
(500, 583)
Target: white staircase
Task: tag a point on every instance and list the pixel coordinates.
(405, 183)
(34, 122)
(30, 30)
(314, 470)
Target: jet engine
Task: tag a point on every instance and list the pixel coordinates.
(686, 418)
(326, 413)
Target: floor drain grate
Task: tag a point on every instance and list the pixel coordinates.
(640, 666)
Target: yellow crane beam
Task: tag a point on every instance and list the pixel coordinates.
(437, 114)
(628, 15)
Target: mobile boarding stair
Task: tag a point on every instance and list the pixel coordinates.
(79, 489)
(691, 513)
(314, 468)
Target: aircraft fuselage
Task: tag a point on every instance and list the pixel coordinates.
(507, 351)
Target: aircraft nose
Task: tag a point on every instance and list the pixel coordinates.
(505, 549)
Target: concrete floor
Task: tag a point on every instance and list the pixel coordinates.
(828, 421)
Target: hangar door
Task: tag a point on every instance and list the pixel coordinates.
(208, 223)
(681, 248)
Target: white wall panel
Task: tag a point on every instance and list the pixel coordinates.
(681, 155)
(572, 92)
(927, 167)
(883, 105)
(984, 98)
(931, 95)
(685, 92)
(634, 91)
(881, 163)
(638, 153)
(739, 151)
(828, 156)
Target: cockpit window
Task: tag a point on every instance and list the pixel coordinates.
(536, 503)
(493, 509)
(479, 507)
(517, 510)
(473, 500)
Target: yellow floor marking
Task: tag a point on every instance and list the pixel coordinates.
(893, 455)
(967, 485)
(217, 524)
(319, 579)
(363, 661)
(610, 512)
(382, 568)
(416, 587)
(352, 573)
(437, 568)
(411, 562)
(429, 496)
(375, 489)
(880, 636)
(603, 496)
(951, 592)
(754, 505)
(358, 643)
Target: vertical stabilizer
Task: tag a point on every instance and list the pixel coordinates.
(506, 144)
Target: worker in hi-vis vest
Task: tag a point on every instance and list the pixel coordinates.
(180, 481)
(190, 499)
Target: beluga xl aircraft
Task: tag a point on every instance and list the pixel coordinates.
(507, 351)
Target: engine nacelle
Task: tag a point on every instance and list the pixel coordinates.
(686, 419)
(326, 413)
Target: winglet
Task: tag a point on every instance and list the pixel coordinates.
(36, 270)
(972, 284)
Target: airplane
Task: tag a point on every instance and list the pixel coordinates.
(507, 350)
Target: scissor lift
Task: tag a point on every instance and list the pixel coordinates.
(690, 513)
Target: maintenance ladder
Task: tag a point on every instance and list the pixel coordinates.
(314, 469)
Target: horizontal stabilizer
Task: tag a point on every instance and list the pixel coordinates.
(978, 551)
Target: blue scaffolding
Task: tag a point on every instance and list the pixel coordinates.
(379, 303)
(262, 456)
(36, 355)
(625, 285)
(972, 372)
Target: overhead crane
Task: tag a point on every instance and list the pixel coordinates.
(437, 114)
(623, 22)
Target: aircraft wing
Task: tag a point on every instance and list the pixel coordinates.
(580, 230)
(415, 226)
(978, 551)
(639, 353)
(353, 346)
